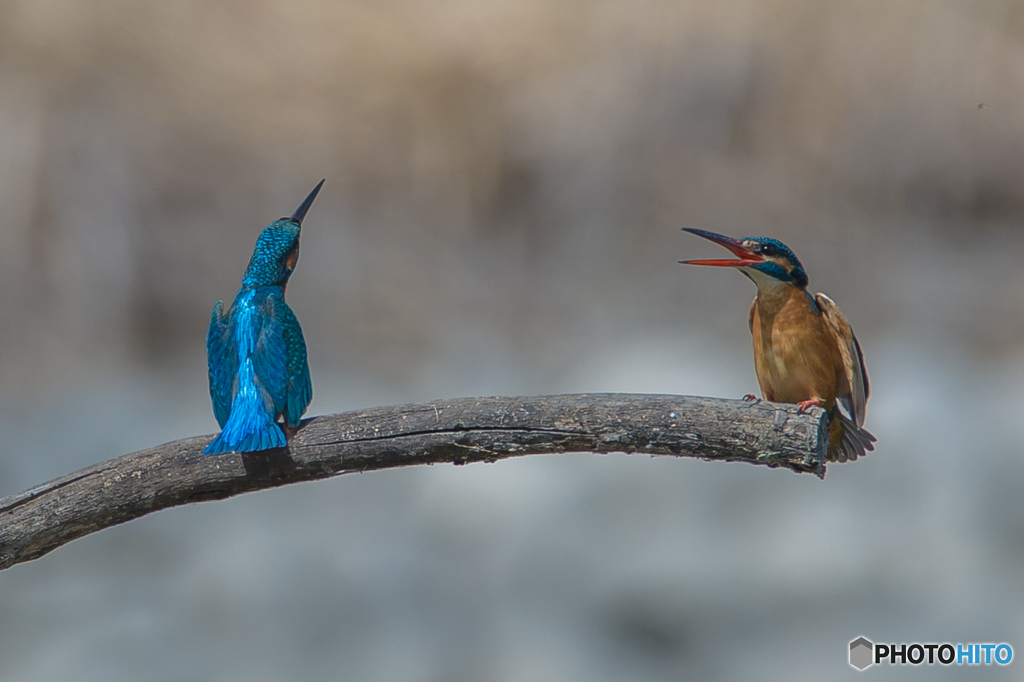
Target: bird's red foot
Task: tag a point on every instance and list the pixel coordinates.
(805, 405)
(751, 398)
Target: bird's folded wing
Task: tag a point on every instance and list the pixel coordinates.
(285, 372)
(222, 359)
(853, 360)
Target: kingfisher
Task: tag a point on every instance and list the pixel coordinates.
(256, 352)
(805, 352)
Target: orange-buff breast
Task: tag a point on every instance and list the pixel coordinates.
(795, 356)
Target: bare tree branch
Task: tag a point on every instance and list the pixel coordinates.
(460, 431)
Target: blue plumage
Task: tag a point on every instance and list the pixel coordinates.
(256, 352)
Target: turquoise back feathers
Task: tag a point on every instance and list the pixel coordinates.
(256, 352)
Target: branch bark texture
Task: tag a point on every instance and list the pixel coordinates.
(459, 431)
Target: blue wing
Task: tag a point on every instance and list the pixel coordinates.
(280, 359)
(222, 359)
(300, 386)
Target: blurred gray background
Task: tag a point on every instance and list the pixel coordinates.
(506, 180)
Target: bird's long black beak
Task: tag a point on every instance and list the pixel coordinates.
(300, 212)
(744, 256)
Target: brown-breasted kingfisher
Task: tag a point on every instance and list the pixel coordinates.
(805, 351)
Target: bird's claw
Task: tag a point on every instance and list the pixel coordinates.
(804, 405)
(751, 398)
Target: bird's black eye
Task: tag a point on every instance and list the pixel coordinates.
(767, 249)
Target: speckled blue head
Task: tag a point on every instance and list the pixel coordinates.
(779, 260)
(277, 249)
(765, 255)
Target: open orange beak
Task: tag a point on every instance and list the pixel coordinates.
(744, 256)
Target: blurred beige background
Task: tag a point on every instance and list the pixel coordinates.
(505, 185)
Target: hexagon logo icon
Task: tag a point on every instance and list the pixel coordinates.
(861, 653)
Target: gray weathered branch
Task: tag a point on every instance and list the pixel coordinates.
(460, 431)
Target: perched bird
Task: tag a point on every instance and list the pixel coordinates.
(804, 349)
(256, 353)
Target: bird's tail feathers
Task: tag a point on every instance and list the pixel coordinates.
(251, 425)
(847, 441)
(265, 438)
